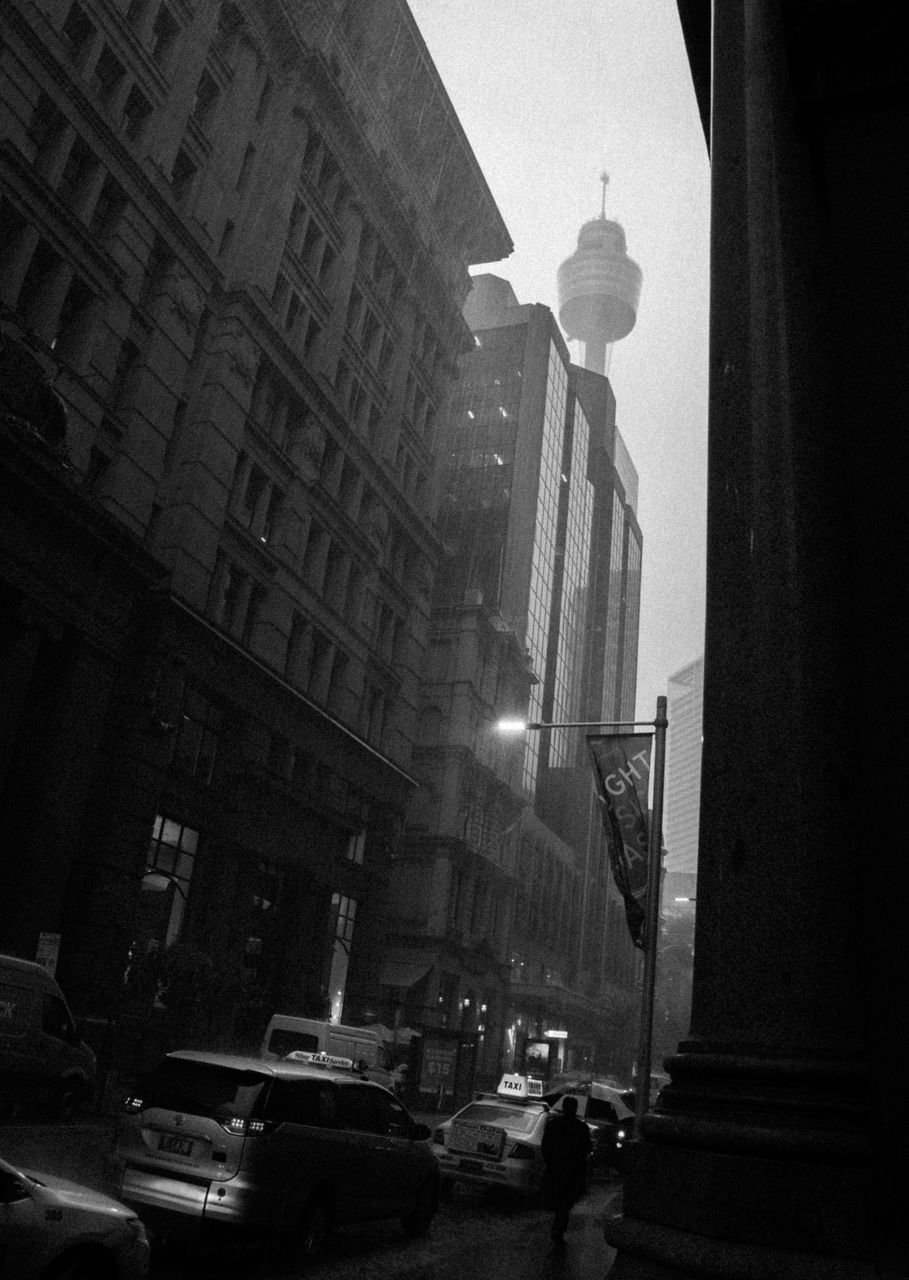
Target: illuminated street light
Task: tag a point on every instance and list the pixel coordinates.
(511, 725)
(652, 911)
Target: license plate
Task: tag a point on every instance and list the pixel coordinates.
(470, 1166)
(177, 1146)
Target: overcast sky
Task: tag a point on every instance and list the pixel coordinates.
(550, 96)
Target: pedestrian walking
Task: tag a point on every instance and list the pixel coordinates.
(566, 1148)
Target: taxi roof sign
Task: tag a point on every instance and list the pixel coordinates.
(319, 1059)
(519, 1087)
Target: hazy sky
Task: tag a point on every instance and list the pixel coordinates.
(550, 96)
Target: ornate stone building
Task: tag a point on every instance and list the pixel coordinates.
(235, 240)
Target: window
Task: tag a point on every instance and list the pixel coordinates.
(328, 260)
(46, 125)
(255, 488)
(246, 167)
(227, 239)
(36, 291)
(181, 178)
(98, 467)
(126, 374)
(313, 329)
(171, 858)
(136, 111)
(294, 310)
(55, 1019)
(311, 242)
(300, 1102)
(79, 167)
(207, 93)
(196, 743)
(109, 72)
(356, 846)
(257, 598)
(344, 910)
(164, 32)
(109, 208)
(77, 29)
(74, 321)
(272, 514)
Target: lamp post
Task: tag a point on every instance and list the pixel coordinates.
(654, 835)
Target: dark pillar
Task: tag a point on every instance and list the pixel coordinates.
(755, 1162)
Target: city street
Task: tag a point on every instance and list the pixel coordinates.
(472, 1236)
(470, 1239)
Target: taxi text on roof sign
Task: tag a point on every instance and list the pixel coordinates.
(515, 1086)
(318, 1059)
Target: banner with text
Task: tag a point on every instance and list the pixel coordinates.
(621, 763)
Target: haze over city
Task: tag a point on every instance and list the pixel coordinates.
(550, 98)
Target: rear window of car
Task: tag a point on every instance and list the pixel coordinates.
(204, 1089)
(515, 1118)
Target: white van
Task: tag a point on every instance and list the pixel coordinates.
(287, 1034)
(43, 1058)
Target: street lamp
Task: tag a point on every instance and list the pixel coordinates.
(513, 725)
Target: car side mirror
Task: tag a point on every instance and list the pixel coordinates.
(419, 1131)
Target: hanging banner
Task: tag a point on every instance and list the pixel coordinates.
(621, 763)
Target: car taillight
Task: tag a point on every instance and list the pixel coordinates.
(521, 1151)
(439, 1138)
(133, 1103)
(241, 1128)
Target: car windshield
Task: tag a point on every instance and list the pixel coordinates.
(514, 1118)
(204, 1089)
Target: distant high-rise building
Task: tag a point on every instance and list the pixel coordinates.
(534, 611)
(599, 289)
(684, 709)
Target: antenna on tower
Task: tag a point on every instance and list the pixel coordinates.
(604, 178)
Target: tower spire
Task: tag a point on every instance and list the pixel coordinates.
(604, 178)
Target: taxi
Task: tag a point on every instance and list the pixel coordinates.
(496, 1140)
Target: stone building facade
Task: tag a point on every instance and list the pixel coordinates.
(231, 275)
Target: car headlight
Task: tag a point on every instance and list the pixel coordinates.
(620, 1135)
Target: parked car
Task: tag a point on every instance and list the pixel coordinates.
(43, 1057)
(495, 1141)
(609, 1116)
(51, 1229)
(291, 1146)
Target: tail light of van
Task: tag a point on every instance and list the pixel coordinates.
(241, 1128)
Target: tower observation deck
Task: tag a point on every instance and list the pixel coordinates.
(599, 288)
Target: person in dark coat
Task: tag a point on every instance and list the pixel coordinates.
(566, 1148)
